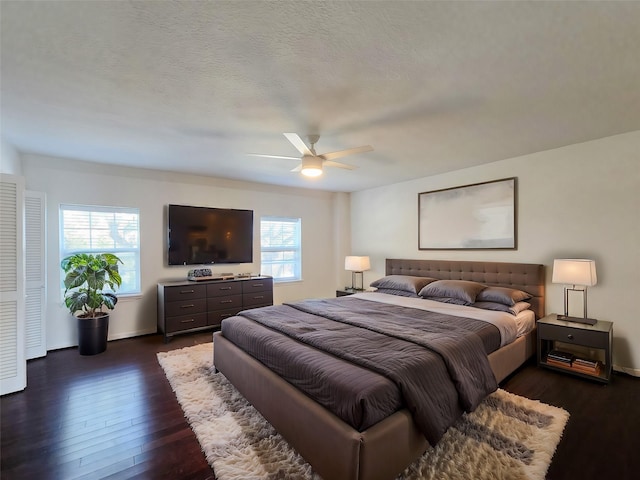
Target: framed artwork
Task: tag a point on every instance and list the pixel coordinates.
(469, 217)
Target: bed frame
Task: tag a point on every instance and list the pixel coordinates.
(333, 448)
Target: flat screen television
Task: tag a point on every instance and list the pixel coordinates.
(203, 235)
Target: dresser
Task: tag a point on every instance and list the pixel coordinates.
(188, 306)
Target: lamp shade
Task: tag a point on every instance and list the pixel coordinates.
(357, 264)
(574, 271)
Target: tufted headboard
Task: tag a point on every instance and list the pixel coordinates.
(527, 277)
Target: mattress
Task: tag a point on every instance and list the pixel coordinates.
(359, 396)
(510, 326)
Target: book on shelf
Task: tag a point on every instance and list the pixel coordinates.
(591, 370)
(557, 363)
(586, 362)
(595, 369)
(561, 356)
(587, 372)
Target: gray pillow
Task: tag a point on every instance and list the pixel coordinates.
(455, 301)
(507, 296)
(501, 307)
(463, 290)
(400, 293)
(405, 283)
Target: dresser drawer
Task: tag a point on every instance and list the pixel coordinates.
(224, 303)
(257, 298)
(215, 318)
(186, 322)
(187, 292)
(224, 289)
(575, 336)
(257, 285)
(186, 307)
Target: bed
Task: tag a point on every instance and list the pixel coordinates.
(334, 447)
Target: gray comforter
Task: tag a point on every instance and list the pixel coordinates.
(438, 362)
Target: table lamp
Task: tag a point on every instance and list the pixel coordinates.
(357, 265)
(575, 272)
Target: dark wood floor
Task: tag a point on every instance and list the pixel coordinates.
(114, 415)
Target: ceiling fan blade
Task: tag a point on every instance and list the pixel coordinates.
(272, 156)
(349, 151)
(297, 142)
(297, 169)
(330, 163)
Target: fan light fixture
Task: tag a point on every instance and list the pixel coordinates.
(311, 166)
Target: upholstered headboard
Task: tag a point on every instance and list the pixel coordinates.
(527, 277)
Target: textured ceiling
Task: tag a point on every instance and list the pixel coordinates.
(432, 86)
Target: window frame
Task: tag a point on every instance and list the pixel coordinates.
(297, 262)
(136, 291)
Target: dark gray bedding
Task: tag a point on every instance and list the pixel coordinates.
(368, 360)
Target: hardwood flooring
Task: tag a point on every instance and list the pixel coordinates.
(111, 415)
(114, 416)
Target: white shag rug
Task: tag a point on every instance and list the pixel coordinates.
(506, 437)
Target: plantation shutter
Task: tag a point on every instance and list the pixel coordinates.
(35, 319)
(13, 364)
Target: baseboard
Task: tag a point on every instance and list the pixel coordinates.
(634, 372)
(137, 333)
(119, 336)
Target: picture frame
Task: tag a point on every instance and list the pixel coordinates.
(479, 216)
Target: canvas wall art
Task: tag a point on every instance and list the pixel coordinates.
(477, 216)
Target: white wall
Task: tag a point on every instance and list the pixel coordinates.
(69, 181)
(9, 159)
(580, 201)
(342, 222)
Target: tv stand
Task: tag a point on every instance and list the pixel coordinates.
(192, 306)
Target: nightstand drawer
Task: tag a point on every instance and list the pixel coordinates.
(575, 336)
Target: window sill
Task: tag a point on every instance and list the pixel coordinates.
(297, 280)
(129, 297)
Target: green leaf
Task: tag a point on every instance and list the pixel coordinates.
(86, 277)
(110, 300)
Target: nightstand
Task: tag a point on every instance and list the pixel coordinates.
(594, 341)
(343, 292)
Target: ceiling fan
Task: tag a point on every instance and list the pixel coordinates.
(311, 164)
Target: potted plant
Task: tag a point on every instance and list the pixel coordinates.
(86, 277)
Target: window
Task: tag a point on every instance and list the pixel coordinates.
(91, 229)
(280, 248)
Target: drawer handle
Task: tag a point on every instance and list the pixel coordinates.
(187, 291)
(224, 288)
(188, 321)
(257, 284)
(226, 301)
(258, 297)
(187, 306)
(570, 337)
